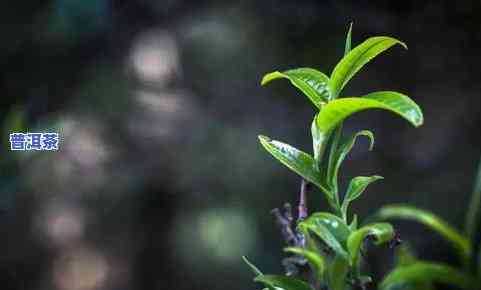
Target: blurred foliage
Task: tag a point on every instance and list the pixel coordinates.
(416, 274)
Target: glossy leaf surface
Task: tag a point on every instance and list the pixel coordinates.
(283, 282)
(426, 271)
(314, 84)
(332, 222)
(357, 58)
(337, 110)
(380, 233)
(330, 229)
(296, 160)
(430, 220)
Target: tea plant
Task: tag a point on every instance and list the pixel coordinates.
(414, 274)
(326, 247)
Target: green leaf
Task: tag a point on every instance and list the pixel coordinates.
(353, 225)
(312, 244)
(327, 237)
(347, 47)
(337, 110)
(317, 262)
(338, 274)
(283, 282)
(314, 84)
(473, 216)
(330, 229)
(431, 272)
(344, 150)
(254, 269)
(335, 139)
(332, 222)
(296, 160)
(357, 58)
(356, 188)
(257, 272)
(381, 232)
(405, 255)
(399, 104)
(422, 285)
(430, 220)
(318, 141)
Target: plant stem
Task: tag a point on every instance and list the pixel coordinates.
(344, 216)
(285, 224)
(331, 167)
(302, 208)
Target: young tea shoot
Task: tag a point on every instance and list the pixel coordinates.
(326, 247)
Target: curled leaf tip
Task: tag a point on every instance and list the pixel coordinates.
(270, 76)
(370, 136)
(420, 122)
(264, 138)
(401, 43)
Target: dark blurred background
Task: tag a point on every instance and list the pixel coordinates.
(160, 182)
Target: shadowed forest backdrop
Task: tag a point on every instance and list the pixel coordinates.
(160, 182)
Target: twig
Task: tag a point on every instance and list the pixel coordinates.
(285, 223)
(302, 208)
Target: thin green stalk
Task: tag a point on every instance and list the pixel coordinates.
(330, 171)
(344, 216)
(335, 144)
